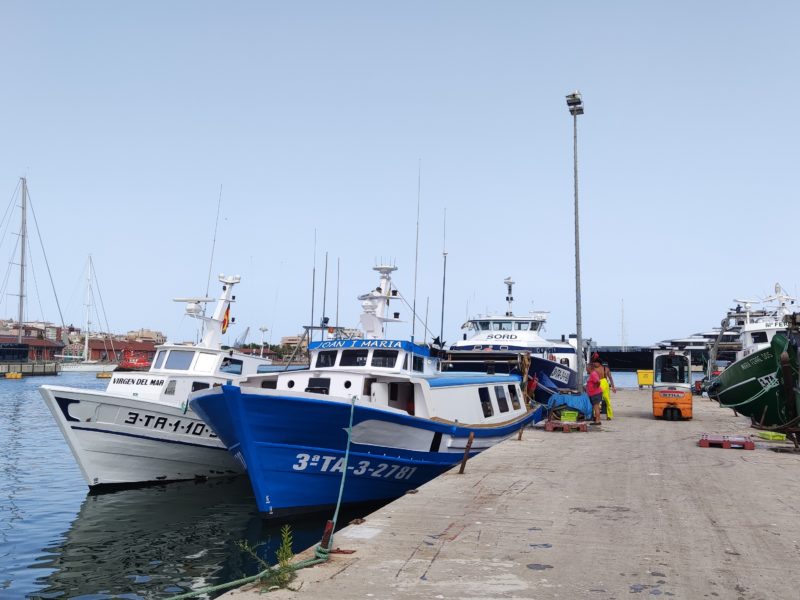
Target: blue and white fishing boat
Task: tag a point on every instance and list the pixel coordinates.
(409, 421)
(496, 343)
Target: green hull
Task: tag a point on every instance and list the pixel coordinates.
(754, 386)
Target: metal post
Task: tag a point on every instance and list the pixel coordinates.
(575, 104)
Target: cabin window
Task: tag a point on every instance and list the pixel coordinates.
(535, 326)
(405, 362)
(384, 358)
(354, 358)
(159, 359)
(326, 358)
(199, 385)
(522, 326)
(170, 389)
(231, 365)
(483, 325)
(179, 360)
(759, 337)
(501, 325)
(512, 392)
(418, 363)
(206, 361)
(319, 385)
(269, 385)
(265, 369)
(486, 402)
(502, 402)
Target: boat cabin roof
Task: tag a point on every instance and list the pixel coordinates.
(531, 322)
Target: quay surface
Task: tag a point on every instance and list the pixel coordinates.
(631, 509)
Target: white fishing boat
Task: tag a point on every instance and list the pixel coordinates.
(141, 429)
(496, 341)
(82, 362)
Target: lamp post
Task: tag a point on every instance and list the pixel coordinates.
(263, 330)
(575, 105)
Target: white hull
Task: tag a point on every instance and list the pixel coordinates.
(118, 440)
(88, 367)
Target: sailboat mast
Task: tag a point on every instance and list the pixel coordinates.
(23, 242)
(88, 311)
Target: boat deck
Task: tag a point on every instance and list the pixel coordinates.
(634, 506)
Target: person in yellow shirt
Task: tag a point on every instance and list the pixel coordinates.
(607, 385)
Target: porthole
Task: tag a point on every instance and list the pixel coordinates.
(347, 384)
(290, 385)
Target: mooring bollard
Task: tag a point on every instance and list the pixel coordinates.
(466, 453)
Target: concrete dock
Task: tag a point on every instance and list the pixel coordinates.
(633, 508)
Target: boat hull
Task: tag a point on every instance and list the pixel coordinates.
(754, 385)
(294, 447)
(120, 441)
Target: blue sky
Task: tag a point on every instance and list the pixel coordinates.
(128, 117)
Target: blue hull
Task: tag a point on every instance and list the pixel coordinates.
(294, 448)
(556, 377)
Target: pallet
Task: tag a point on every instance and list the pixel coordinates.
(709, 440)
(565, 426)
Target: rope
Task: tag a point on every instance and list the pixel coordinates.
(321, 554)
(344, 470)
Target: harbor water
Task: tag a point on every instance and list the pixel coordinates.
(59, 541)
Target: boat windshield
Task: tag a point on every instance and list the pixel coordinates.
(522, 325)
(501, 325)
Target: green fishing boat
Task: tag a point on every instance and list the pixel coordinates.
(763, 385)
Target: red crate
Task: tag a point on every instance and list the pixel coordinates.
(709, 440)
(565, 426)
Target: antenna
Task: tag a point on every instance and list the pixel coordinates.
(416, 252)
(444, 272)
(425, 326)
(337, 293)
(22, 233)
(324, 297)
(313, 286)
(509, 297)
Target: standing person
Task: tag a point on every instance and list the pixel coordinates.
(594, 390)
(606, 382)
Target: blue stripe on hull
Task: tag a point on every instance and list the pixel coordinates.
(293, 448)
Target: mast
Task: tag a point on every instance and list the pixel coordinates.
(23, 243)
(88, 311)
(444, 274)
(509, 298)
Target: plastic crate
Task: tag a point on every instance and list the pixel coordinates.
(644, 377)
(569, 415)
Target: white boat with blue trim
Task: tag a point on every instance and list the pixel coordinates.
(495, 342)
(140, 429)
(409, 421)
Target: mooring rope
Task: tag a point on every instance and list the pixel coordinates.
(321, 554)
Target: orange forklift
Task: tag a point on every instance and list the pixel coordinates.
(672, 385)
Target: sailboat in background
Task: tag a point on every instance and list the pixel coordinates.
(82, 362)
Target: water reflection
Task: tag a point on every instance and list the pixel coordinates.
(158, 541)
(57, 541)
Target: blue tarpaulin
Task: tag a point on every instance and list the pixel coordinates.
(578, 402)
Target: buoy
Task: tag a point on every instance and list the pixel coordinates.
(13, 375)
